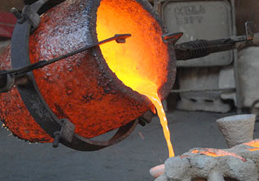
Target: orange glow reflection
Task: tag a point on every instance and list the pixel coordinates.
(254, 143)
(216, 153)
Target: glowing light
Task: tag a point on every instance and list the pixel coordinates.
(144, 56)
(254, 143)
(152, 95)
(141, 62)
(216, 153)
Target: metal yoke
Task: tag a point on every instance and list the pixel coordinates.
(62, 130)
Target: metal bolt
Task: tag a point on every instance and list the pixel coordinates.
(16, 13)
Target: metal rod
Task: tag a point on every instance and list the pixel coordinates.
(118, 38)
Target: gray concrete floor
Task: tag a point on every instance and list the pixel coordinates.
(129, 160)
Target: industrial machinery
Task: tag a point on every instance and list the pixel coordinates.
(46, 108)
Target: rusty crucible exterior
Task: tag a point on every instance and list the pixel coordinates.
(81, 88)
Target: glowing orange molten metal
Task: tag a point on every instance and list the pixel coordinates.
(141, 58)
(254, 143)
(217, 153)
(137, 62)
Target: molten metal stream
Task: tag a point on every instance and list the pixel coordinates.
(151, 92)
(140, 63)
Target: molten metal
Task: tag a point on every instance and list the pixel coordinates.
(144, 65)
(254, 144)
(144, 57)
(216, 153)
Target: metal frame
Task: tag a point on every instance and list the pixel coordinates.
(62, 130)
